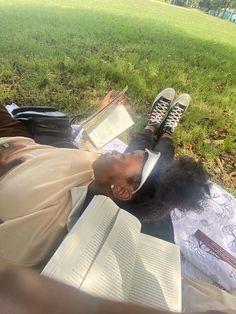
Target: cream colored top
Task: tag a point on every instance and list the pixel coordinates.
(35, 199)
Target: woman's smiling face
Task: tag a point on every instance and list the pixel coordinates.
(115, 168)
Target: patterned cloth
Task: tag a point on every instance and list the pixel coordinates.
(218, 221)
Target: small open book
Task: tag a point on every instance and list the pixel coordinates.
(108, 123)
(106, 255)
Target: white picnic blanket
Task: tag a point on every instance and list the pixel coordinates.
(218, 221)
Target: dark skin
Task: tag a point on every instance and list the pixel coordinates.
(112, 172)
(23, 291)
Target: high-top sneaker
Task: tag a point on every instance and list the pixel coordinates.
(160, 107)
(176, 113)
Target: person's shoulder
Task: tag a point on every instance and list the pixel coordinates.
(17, 140)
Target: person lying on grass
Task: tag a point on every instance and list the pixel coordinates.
(44, 189)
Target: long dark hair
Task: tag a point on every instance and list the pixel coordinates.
(180, 185)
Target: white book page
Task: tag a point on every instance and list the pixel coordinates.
(74, 257)
(111, 273)
(157, 275)
(109, 125)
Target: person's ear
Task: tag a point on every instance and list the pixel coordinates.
(121, 193)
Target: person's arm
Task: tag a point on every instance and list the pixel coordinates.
(26, 292)
(5, 151)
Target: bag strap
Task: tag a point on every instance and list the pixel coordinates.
(75, 118)
(35, 114)
(34, 108)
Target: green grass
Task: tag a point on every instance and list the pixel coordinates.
(70, 53)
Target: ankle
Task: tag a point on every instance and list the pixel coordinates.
(166, 135)
(168, 130)
(151, 128)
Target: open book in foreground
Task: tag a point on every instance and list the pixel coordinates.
(106, 255)
(108, 123)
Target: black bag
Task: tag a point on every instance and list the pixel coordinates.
(47, 125)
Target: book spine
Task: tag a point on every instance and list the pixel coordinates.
(216, 248)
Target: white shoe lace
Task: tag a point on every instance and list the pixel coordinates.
(174, 117)
(159, 111)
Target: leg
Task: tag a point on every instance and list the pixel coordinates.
(166, 148)
(143, 140)
(159, 110)
(11, 127)
(175, 114)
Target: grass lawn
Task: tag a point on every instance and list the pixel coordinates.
(70, 53)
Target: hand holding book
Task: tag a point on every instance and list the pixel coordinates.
(109, 122)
